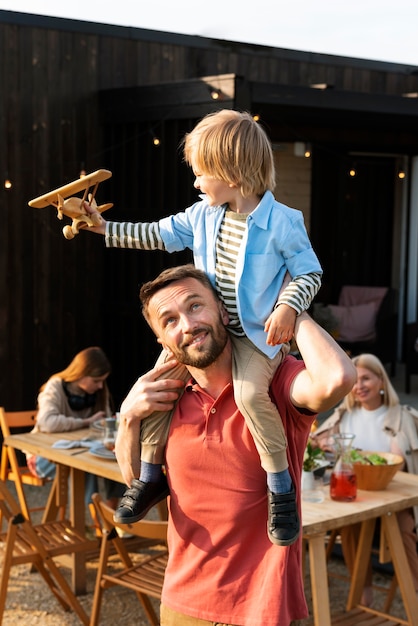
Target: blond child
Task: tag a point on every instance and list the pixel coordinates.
(245, 241)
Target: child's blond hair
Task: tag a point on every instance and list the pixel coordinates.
(231, 146)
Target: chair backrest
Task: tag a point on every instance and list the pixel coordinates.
(16, 421)
(10, 466)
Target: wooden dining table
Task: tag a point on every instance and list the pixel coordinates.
(318, 519)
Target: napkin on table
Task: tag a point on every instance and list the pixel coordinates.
(69, 443)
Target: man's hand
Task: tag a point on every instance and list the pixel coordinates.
(148, 394)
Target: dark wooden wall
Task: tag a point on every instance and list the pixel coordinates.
(56, 296)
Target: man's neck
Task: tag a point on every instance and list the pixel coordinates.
(214, 378)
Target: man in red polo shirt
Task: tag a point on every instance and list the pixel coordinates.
(222, 567)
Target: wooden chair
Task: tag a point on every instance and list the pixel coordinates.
(146, 577)
(10, 468)
(38, 545)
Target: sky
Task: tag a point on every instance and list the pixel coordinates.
(381, 30)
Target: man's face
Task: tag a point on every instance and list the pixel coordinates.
(190, 322)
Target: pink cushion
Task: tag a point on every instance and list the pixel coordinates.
(357, 322)
(352, 294)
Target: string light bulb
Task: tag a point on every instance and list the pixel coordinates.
(308, 151)
(215, 93)
(155, 140)
(353, 172)
(7, 183)
(256, 117)
(401, 174)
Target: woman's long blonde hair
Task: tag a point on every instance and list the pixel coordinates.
(373, 364)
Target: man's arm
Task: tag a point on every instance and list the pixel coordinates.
(329, 374)
(146, 396)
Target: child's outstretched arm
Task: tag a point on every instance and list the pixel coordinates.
(138, 235)
(295, 296)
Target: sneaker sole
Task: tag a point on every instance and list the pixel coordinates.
(281, 542)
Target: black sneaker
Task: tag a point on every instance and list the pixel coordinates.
(283, 525)
(139, 498)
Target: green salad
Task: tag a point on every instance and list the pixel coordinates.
(367, 459)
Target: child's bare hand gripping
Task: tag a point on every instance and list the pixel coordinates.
(280, 325)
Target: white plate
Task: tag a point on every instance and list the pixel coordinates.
(102, 452)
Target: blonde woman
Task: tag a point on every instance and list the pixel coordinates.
(372, 411)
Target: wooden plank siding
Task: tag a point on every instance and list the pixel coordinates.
(58, 296)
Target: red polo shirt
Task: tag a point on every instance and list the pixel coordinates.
(222, 566)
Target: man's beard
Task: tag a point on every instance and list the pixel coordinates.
(205, 355)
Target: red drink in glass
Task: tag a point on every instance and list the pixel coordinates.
(343, 486)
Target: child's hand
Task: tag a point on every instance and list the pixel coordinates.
(280, 325)
(91, 210)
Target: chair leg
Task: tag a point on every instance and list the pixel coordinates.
(98, 589)
(148, 609)
(7, 564)
(64, 588)
(39, 567)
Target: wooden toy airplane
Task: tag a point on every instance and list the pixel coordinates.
(74, 207)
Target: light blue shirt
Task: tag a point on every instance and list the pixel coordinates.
(274, 242)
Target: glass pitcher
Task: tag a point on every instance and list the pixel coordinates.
(343, 483)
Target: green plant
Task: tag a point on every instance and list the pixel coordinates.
(311, 457)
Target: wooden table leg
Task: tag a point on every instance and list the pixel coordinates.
(401, 567)
(319, 580)
(361, 563)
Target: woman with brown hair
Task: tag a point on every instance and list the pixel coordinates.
(73, 399)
